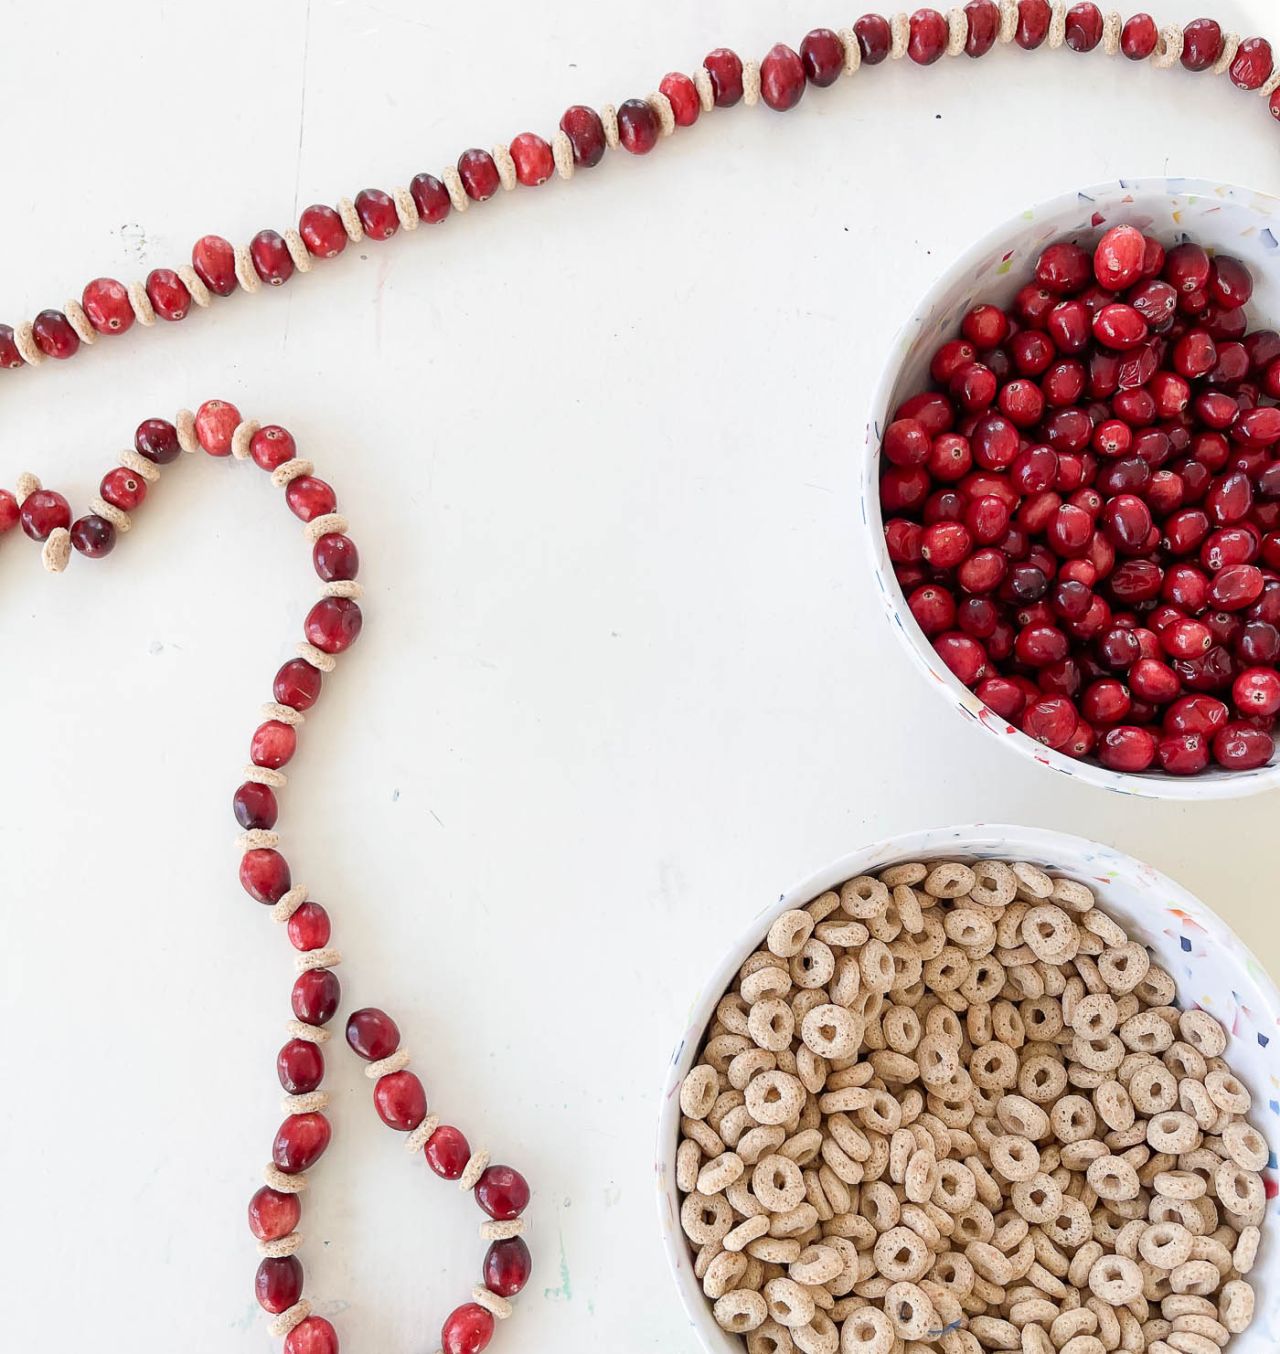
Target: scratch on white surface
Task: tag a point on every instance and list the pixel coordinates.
(302, 108)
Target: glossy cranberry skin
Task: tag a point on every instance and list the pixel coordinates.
(1051, 721)
(432, 199)
(945, 544)
(309, 928)
(1239, 747)
(903, 489)
(984, 26)
(278, 1283)
(1064, 268)
(875, 38)
(1252, 64)
(532, 157)
(300, 1066)
(297, 684)
(964, 656)
(447, 1152)
(216, 422)
(309, 497)
(983, 571)
(479, 174)
(1153, 681)
(902, 539)
(725, 69)
(467, 1330)
(1258, 644)
(1183, 754)
(10, 357)
(928, 37)
(1127, 520)
(1118, 258)
(106, 303)
(1196, 714)
(906, 443)
(333, 624)
(273, 1213)
(1127, 748)
(322, 231)
(1187, 268)
(300, 1142)
(1257, 427)
(1033, 23)
(1084, 27)
(372, 1034)
(638, 126)
(93, 536)
(271, 447)
(400, 1100)
(1106, 701)
(682, 94)
(1236, 587)
(255, 806)
(214, 261)
(1201, 44)
(273, 744)
(43, 512)
(1139, 36)
(377, 212)
(314, 1335)
(271, 258)
(335, 558)
(502, 1192)
(782, 78)
(507, 1267)
(168, 294)
(950, 459)
(123, 488)
(1119, 327)
(583, 127)
(1256, 691)
(1186, 639)
(934, 609)
(54, 335)
(264, 875)
(315, 996)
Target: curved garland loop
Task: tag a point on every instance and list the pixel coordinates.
(217, 269)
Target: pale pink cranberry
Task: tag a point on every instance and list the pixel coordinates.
(216, 421)
(682, 95)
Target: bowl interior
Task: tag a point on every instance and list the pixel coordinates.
(1211, 965)
(1225, 220)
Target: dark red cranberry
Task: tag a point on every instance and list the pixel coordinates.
(1252, 64)
(400, 1100)
(214, 261)
(1127, 520)
(271, 258)
(447, 1152)
(255, 806)
(315, 996)
(300, 1066)
(507, 1267)
(278, 1283)
(479, 174)
(264, 875)
(1258, 644)
(1236, 587)
(1187, 268)
(1256, 691)
(300, 1142)
(1127, 748)
(1201, 44)
(1240, 747)
(1183, 754)
(1050, 720)
(333, 624)
(585, 130)
(502, 1192)
(875, 38)
(377, 212)
(638, 126)
(964, 656)
(1153, 681)
(927, 38)
(93, 536)
(782, 78)
(822, 55)
(372, 1034)
(1034, 17)
(1084, 27)
(1139, 36)
(725, 69)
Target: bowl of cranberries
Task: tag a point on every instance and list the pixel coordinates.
(1073, 487)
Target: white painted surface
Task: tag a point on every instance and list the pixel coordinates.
(621, 681)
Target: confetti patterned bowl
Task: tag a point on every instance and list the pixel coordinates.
(1211, 965)
(1230, 220)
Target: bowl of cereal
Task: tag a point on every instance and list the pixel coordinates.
(1071, 488)
(981, 1087)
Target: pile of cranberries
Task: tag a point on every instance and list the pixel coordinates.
(1084, 510)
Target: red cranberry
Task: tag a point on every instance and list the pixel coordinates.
(1119, 326)
(300, 1066)
(1258, 644)
(1201, 44)
(1239, 747)
(255, 806)
(1084, 27)
(168, 294)
(507, 1267)
(1128, 523)
(906, 443)
(333, 624)
(314, 1335)
(1040, 645)
(216, 422)
(945, 544)
(106, 303)
(1003, 695)
(278, 1283)
(725, 69)
(467, 1329)
(271, 258)
(928, 37)
(431, 197)
(271, 447)
(264, 875)
(932, 410)
(309, 928)
(273, 1213)
(1032, 351)
(273, 744)
(1033, 23)
(782, 78)
(874, 38)
(54, 335)
(447, 1152)
(638, 125)
(297, 684)
(502, 1192)
(400, 1101)
(1186, 639)
(933, 608)
(953, 355)
(903, 489)
(984, 27)
(479, 174)
(335, 557)
(1139, 36)
(950, 459)
(964, 656)
(532, 157)
(322, 231)
(1196, 714)
(315, 996)
(1236, 587)
(372, 1034)
(983, 571)
(987, 326)
(1127, 748)
(1118, 258)
(157, 440)
(1256, 691)
(1252, 64)
(1183, 754)
(377, 212)
(214, 262)
(583, 127)
(309, 497)
(1051, 721)
(1154, 681)
(43, 512)
(1187, 268)
(682, 94)
(1106, 701)
(300, 1142)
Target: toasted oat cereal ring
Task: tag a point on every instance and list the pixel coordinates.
(1189, 1342)
(718, 1174)
(818, 1264)
(1195, 1276)
(893, 1067)
(750, 1064)
(845, 935)
(1198, 1323)
(1172, 1131)
(723, 1274)
(1052, 936)
(731, 1012)
(901, 1028)
(994, 884)
(1165, 1245)
(954, 1187)
(790, 1304)
(1246, 1249)
(696, 1130)
(1153, 1088)
(758, 1142)
(921, 1175)
(1038, 1199)
(1157, 988)
(1213, 1250)
(771, 1024)
(778, 1183)
(698, 1092)
(734, 1122)
(864, 897)
(1246, 1146)
(1203, 1033)
(770, 1338)
(1180, 1185)
(1108, 930)
(1032, 881)
(1115, 1280)
(774, 1097)
(1113, 1178)
(948, 879)
(1094, 1016)
(994, 1333)
(722, 1050)
(1042, 1017)
(988, 1263)
(1072, 894)
(1042, 1078)
(820, 1336)
(706, 1218)
(770, 981)
(1184, 1061)
(1123, 967)
(1227, 1091)
(740, 1310)
(867, 1330)
(831, 1031)
(1235, 1305)
(775, 1250)
(1146, 1032)
(1114, 1106)
(813, 966)
(1083, 1344)
(909, 873)
(688, 1162)
(1185, 1304)
(910, 1310)
(1071, 1227)
(994, 1067)
(747, 1231)
(1022, 1117)
(1239, 1191)
(946, 970)
(968, 927)
(789, 932)
(984, 982)
(882, 1113)
(1015, 1158)
(876, 966)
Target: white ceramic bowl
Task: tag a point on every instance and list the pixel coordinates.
(1212, 967)
(1228, 220)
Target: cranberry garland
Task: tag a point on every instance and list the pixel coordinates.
(1085, 513)
(217, 268)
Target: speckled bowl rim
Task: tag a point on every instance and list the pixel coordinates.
(1249, 1009)
(1153, 785)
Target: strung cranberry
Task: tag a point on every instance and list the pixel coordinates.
(983, 571)
(123, 488)
(335, 557)
(447, 1152)
(977, 616)
(875, 38)
(214, 262)
(583, 127)
(1239, 747)
(278, 1283)
(1003, 695)
(10, 357)
(54, 335)
(903, 488)
(431, 197)
(309, 928)
(478, 173)
(297, 684)
(928, 37)
(1236, 587)
(1252, 64)
(782, 78)
(950, 459)
(1033, 23)
(1183, 754)
(273, 744)
(377, 213)
(1201, 44)
(906, 442)
(264, 875)
(273, 1213)
(315, 996)
(271, 258)
(502, 1192)
(534, 162)
(1258, 643)
(93, 536)
(638, 125)
(682, 94)
(1187, 268)
(1127, 521)
(1256, 691)
(255, 806)
(313, 1335)
(902, 539)
(1153, 681)
(1050, 720)
(216, 422)
(1127, 748)
(725, 69)
(168, 294)
(1119, 326)
(934, 609)
(507, 1267)
(1032, 351)
(1186, 639)
(1084, 27)
(42, 512)
(469, 1328)
(300, 1066)
(322, 231)
(300, 1142)
(309, 497)
(964, 656)
(106, 303)
(271, 447)
(372, 1034)
(400, 1101)
(333, 624)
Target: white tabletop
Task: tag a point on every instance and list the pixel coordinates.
(622, 677)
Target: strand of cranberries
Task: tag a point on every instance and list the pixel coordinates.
(108, 307)
(1084, 512)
